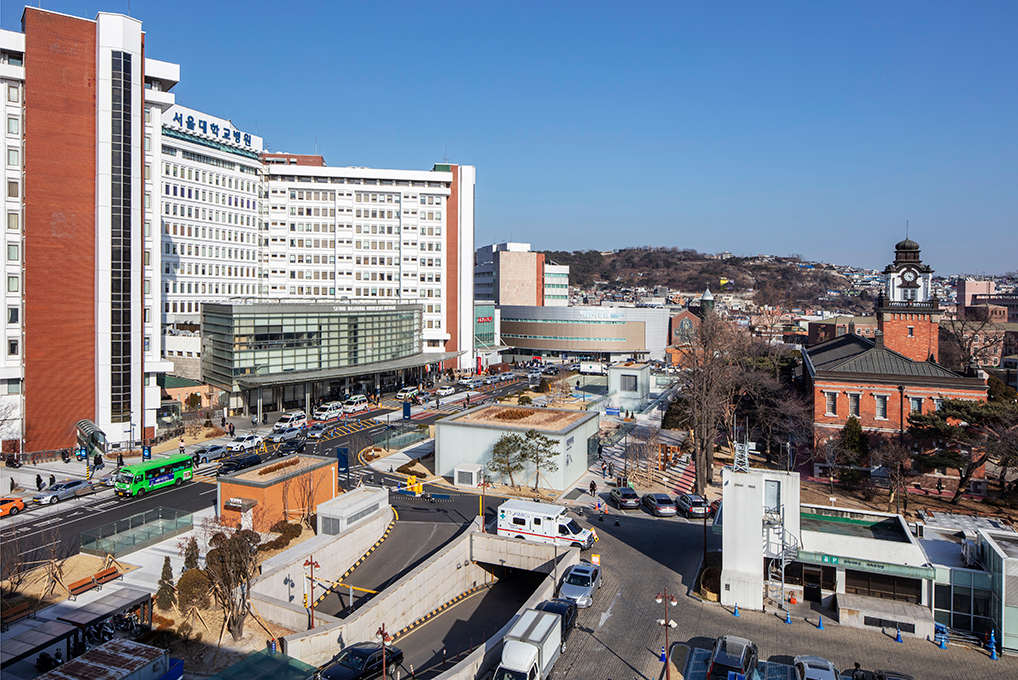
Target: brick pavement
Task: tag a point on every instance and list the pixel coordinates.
(618, 637)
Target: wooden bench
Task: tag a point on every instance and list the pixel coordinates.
(16, 613)
(82, 586)
(107, 575)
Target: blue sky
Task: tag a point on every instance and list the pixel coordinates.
(816, 128)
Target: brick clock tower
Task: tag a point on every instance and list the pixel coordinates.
(908, 313)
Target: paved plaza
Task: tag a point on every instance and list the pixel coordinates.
(618, 638)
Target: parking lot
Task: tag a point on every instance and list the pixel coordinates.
(618, 636)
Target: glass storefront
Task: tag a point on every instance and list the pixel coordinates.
(256, 340)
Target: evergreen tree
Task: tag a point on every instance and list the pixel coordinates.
(507, 457)
(854, 441)
(191, 554)
(166, 596)
(540, 451)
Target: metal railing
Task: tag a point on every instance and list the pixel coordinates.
(400, 436)
(135, 532)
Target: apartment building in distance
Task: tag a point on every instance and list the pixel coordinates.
(82, 107)
(512, 274)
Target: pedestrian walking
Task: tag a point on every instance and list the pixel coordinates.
(52, 481)
(12, 485)
(97, 461)
(38, 482)
(182, 445)
(233, 430)
(858, 673)
(120, 460)
(604, 470)
(611, 469)
(593, 488)
(940, 485)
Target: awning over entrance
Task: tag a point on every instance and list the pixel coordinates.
(91, 437)
(277, 379)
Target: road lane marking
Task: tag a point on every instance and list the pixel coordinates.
(607, 614)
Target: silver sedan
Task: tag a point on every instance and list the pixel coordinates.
(580, 583)
(62, 491)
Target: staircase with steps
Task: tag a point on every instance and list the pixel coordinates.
(679, 478)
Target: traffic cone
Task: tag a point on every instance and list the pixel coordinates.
(943, 641)
(788, 616)
(897, 638)
(993, 645)
(736, 612)
(820, 626)
(663, 657)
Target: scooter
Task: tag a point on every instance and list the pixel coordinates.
(12, 462)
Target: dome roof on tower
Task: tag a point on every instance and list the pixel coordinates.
(907, 244)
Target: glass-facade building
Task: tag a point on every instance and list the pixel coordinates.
(247, 341)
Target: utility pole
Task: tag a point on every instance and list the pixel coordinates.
(310, 562)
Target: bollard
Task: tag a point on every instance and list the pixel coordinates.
(897, 637)
(820, 626)
(993, 644)
(788, 616)
(412, 671)
(736, 612)
(663, 656)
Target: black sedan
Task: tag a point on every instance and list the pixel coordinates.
(566, 609)
(363, 660)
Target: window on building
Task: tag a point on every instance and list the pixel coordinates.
(832, 403)
(12, 284)
(12, 348)
(915, 404)
(911, 331)
(853, 405)
(12, 252)
(12, 221)
(881, 406)
(13, 314)
(12, 126)
(12, 156)
(12, 189)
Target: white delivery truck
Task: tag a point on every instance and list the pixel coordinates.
(593, 368)
(531, 647)
(543, 523)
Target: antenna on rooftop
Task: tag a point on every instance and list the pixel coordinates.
(445, 154)
(906, 229)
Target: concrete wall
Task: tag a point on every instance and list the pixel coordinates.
(277, 593)
(457, 444)
(449, 573)
(512, 552)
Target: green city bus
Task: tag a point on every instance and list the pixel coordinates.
(139, 478)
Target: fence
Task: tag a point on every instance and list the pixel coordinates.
(400, 436)
(135, 532)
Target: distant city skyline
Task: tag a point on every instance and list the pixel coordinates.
(811, 128)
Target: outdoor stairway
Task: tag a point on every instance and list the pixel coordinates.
(679, 478)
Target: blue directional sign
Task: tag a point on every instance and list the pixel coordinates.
(343, 458)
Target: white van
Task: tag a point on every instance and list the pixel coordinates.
(295, 419)
(406, 394)
(329, 411)
(543, 523)
(357, 402)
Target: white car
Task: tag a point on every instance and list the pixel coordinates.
(246, 443)
(287, 434)
(356, 403)
(445, 391)
(814, 668)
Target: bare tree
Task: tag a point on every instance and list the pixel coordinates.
(896, 460)
(306, 488)
(975, 337)
(13, 571)
(707, 385)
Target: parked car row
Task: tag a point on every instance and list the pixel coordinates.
(661, 505)
(732, 654)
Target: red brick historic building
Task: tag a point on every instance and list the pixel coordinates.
(882, 380)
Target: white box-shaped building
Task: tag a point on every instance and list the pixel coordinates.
(761, 515)
(629, 385)
(470, 437)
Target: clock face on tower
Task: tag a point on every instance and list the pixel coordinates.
(909, 276)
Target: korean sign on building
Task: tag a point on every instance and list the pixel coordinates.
(204, 125)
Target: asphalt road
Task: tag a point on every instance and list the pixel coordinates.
(54, 530)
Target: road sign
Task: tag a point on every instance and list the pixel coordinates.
(406, 410)
(343, 458)
(146, 453)
(595, 559)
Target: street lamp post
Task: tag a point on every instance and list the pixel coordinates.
(310, 562)
(384, 637)
(666, 599)
(480, 510)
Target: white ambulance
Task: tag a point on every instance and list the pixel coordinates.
(542, 522)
